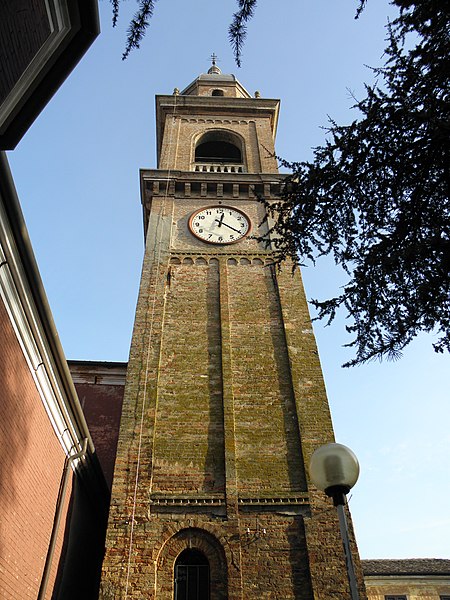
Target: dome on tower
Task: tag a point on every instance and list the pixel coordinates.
(214, 70)
(216, 83)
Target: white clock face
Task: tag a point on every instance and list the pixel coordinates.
(219, 224)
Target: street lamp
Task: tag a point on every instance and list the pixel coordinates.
(334, 469)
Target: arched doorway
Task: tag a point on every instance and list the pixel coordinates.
(192, 577)
(208, 547)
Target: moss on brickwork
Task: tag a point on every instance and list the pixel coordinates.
(188, 446)
(267, 435)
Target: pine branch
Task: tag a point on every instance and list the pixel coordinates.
(377, 196)
(115, 10)
(361, 7)
(138, 26)
(237, 31)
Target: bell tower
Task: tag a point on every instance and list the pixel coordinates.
(225, 401)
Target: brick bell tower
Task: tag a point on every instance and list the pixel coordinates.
(225, 400)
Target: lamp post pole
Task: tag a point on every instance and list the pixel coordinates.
(334, 469)
(343, 526)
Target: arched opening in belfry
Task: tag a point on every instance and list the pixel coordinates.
(218, 147)
(191, 576)
(217, 93)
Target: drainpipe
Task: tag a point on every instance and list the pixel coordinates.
(58, 514)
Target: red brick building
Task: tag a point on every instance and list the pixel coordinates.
(53, 494)
(100, 387)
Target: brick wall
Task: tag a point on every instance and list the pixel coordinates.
(102, 405)
(267, 440)
(31, 466)
(188, 447)
(24, 27)
(100, 387)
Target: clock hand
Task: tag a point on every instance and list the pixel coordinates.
(229, 227)
(221, 219)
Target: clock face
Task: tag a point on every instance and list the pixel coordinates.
(219, 224)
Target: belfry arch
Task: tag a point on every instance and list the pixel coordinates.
(219, 146)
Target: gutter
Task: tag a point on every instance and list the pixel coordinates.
(58, 514)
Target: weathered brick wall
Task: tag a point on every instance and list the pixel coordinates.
(31, 466)
(102, 407)
(275, 564)
(188, 445)
(267, 435)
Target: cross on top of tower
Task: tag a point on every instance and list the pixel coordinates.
(214, 69)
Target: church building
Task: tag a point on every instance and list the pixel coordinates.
(224, 399)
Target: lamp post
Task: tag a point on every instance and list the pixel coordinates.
(334, 469)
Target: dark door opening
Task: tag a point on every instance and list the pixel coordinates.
(191, 576)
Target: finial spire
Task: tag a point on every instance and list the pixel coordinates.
(214, 69)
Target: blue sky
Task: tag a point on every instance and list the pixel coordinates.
(76, 171)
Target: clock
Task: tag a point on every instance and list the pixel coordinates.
(219, 224)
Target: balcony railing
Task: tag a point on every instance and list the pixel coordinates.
(218, 167)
